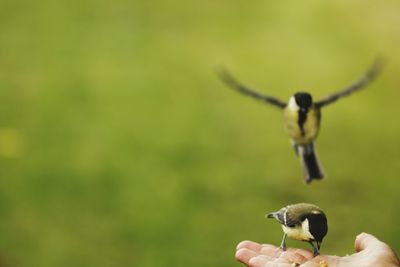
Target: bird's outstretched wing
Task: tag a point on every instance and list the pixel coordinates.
(226, 77)
(362, 82)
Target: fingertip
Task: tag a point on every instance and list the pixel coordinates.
(360, 235)
(248, 244)
(242, 244)
(364, 240)
(244, 255)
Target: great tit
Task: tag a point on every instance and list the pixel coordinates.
(302, 115)
(304, 222)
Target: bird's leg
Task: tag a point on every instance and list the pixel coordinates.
(315, 249)
(296, 148)
(283, 243)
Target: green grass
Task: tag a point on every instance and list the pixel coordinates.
(120, 147)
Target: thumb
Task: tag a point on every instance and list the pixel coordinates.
(366, 241)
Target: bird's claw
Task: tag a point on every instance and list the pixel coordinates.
(315, 252)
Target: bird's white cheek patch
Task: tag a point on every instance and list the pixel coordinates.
(299, 233)
(293, 105)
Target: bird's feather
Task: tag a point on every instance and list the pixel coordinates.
(227, 78)
(362, 82)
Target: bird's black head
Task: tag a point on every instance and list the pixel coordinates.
(303, 99)
(318, 226)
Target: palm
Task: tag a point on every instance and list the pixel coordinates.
(370, 252)
(254, 254)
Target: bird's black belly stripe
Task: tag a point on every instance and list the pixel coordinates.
(302, 120)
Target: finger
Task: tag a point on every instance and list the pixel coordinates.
(305, 253)
(367, 242)
(249, 245)
(270, 250)
(273, 251)
(244, 255)
(281, 263)
(265, 261)
(293, 257)
(275, 257)
(262, 261)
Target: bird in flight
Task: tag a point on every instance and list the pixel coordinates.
(302, 115)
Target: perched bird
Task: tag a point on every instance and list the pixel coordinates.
(302, 115)
(304, 222)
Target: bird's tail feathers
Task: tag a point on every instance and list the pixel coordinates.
(311, 166)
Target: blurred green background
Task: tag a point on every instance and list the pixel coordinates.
(120, 147)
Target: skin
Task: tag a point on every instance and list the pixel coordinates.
(370, 252)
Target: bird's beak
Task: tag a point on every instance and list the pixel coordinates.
(269, 215)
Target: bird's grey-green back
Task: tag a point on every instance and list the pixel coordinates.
(293, 215)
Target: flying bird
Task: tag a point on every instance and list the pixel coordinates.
(304, 222)
(302, 115)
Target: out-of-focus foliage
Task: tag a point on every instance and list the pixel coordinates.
(120, 147)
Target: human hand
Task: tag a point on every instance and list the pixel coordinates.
(370, 252)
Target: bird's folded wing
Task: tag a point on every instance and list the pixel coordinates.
(285, 218)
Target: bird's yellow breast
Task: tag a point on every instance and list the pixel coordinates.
(310, 126)
(300, 232)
